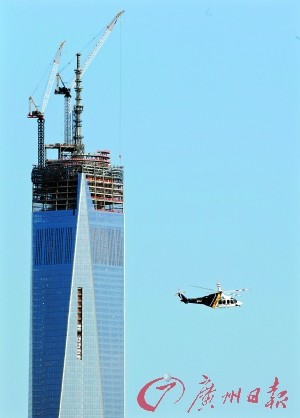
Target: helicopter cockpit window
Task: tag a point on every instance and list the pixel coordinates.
(234, 300)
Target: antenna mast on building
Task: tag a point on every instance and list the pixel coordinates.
(78, 109)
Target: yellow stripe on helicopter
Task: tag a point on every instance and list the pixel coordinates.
(217, 300)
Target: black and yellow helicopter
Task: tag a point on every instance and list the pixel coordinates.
(218, 299)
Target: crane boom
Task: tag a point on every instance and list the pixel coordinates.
(97, 47)
(52, 77)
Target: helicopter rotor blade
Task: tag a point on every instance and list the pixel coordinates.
(235, 290)
(205, 288)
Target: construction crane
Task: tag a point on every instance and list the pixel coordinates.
(67, 90)
(39, 114)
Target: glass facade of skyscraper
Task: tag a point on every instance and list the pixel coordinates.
(77, 304)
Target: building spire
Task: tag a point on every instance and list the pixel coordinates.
(78, 108)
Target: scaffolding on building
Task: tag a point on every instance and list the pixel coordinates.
(55, 185)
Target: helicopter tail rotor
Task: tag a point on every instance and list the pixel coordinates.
(181, 297)
(179, 292)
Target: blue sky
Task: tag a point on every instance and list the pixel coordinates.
(201, 99)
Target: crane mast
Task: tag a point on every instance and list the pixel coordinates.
(67, 108)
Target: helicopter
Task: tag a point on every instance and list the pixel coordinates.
(218, 299)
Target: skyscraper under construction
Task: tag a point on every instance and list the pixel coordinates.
(77, 283)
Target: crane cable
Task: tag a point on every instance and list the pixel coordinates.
(39, 83)
(120, 98)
